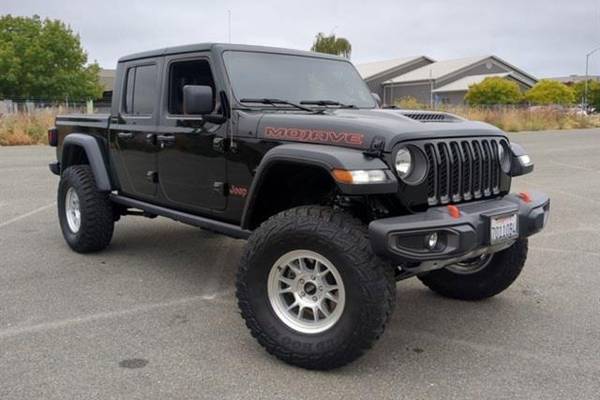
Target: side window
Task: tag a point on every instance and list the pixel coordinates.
(141, 90)
(128, 106)
(196, 72)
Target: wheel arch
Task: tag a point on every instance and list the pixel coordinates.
(79, 148)
(314, 163)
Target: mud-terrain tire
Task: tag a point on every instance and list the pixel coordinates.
(367, 290)
(85, 214)
(501, 271)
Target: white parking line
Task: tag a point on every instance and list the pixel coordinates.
(30, 213)
(65, 323)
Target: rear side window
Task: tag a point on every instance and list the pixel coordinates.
(141, 90)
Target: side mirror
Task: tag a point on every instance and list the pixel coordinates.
(197, 100)
(377, 98)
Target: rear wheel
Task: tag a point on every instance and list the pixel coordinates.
(481, 277)
(310, 289)
(85, 215)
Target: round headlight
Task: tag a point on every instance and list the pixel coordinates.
(504, 158)
(403, 162)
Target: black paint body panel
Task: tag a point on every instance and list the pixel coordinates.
(196, 177)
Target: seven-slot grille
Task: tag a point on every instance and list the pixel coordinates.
(462, 169)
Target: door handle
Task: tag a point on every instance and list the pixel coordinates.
(125, 135)
(165, 140)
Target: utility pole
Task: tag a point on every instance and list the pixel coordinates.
(587, 63)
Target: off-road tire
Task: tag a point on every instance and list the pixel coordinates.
(97, 219)
(369, 286)
(502, 270)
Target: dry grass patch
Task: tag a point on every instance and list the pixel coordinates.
(532, 119)
(515, 118)
(21, 129)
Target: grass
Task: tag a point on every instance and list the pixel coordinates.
(23, 129)
(528, 119)
(515, 119)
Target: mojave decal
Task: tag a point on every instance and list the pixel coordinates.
(315, 136)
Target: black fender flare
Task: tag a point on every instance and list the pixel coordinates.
(325, 157)
(94, 155)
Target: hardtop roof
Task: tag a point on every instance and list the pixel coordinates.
(191, 48)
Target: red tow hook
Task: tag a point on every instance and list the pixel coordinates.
(454, 212)
(525, 197)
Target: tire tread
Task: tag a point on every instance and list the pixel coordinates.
(375, 277)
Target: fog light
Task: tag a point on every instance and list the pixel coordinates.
(431, 240)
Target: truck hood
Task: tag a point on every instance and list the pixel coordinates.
(360, 128)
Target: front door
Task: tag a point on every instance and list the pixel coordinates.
(192, 172)
(133, 132)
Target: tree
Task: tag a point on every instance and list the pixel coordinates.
(331, 45)
(492, 91)
(44, 59)
(547, 92)
(593, 93)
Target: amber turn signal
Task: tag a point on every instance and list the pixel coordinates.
(342, 175)
(359, 177)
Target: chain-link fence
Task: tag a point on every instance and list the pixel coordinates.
(30, 106)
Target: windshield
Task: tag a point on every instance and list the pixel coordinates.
(295, 79)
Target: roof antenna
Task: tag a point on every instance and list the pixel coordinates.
(229, 24)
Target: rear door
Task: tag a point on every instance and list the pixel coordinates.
(192, 171)
(133, 130)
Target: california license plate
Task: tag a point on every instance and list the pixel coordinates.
(503, 228)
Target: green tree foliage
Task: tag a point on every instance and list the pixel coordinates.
(493, 91)
(547, 92)
(331, 45)
(44, 59)
(593, 93)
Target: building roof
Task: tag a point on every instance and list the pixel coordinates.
(371, 69)
(436, 70)
(107, 79)
(462, 84)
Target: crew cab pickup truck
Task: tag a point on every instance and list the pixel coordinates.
(337, 197)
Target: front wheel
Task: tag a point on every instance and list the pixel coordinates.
(481, 277)
(310, 289)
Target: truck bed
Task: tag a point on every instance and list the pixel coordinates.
(84, 120)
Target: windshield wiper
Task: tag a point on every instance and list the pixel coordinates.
(327, 103)
(277, 101)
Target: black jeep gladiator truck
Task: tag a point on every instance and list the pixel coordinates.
(337, 198)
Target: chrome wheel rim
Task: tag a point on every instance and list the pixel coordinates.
(471, 265)
(306, 291)
(72, 210)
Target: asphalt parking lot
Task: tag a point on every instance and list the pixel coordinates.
(154, 316)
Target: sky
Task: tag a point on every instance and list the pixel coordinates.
(544, 38)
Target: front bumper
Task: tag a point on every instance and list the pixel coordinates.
(402, 239)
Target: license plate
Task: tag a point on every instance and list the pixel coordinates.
(503, 228)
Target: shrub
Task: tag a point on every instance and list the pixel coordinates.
(593, 93)
(547, 92)
(409, 103)
(494, 91)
